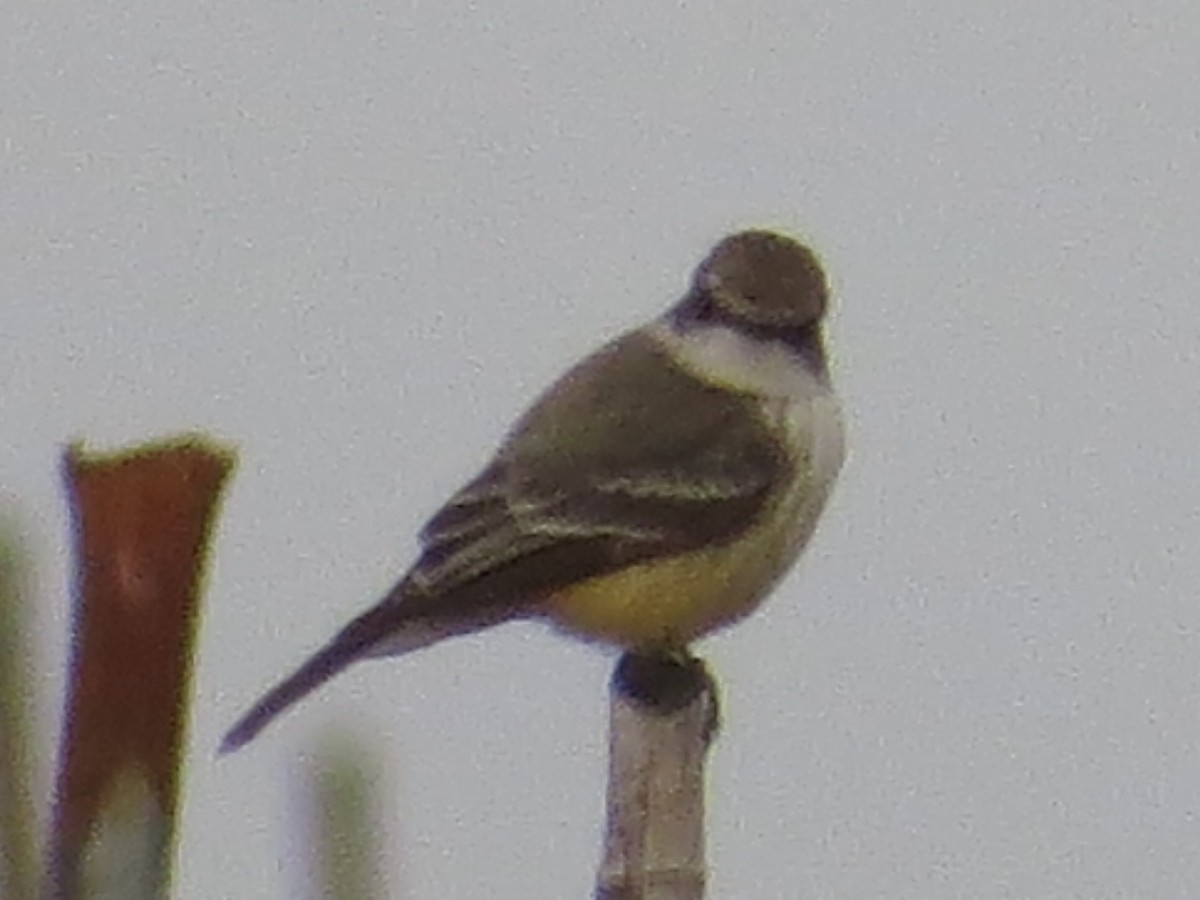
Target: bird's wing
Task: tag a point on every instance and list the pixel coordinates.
(629, 456)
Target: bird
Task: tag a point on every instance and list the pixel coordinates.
(657, 491)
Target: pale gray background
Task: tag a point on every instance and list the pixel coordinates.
(355, 238)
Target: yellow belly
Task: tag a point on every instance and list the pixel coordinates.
(672, 601)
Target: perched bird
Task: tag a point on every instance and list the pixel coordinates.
(657, 491)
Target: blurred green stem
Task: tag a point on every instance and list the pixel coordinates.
(18, 851)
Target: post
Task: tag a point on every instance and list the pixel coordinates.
(663, 719)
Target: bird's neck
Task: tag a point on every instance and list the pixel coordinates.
(696, 315)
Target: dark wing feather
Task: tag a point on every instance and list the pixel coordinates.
(591, 481)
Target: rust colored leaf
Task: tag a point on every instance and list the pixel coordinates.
(141, 525)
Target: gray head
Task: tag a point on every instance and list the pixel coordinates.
(760, 280)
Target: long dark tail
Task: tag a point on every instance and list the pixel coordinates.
(352, 643)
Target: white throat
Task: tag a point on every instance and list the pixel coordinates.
(727, 357)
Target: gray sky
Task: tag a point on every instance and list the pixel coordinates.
(354, 239)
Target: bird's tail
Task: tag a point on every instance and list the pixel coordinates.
(381, 624)
(331, 659)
